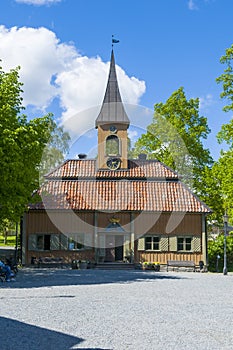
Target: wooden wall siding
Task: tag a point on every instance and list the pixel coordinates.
(103, 220)
(163, 257)
(145, 222)
(67, 256)
(163, 223)
(40, 222)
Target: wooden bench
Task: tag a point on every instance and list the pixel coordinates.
(181, 263)
(50, 262)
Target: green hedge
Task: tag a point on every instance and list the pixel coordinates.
(215, 248)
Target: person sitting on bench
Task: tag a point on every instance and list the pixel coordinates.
(7, 270)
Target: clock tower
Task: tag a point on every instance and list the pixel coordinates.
(112, 124)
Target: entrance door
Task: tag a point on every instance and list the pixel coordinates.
(119, 249)
(110, 248)
(114, 248)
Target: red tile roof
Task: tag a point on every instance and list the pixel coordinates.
(136, 169)
(147, 185)
(120, 195)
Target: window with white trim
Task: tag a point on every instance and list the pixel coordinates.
(184, 244)
(56, 241)
(76, 242)
(152, 242)
(43, 242)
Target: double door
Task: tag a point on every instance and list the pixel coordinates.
(114, 250)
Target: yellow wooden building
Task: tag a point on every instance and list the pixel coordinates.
(115, 209)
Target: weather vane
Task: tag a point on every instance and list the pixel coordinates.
(114, 41)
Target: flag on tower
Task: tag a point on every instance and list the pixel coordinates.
(115, 41)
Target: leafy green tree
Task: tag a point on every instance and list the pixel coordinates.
(175, 138)
(215, 248)
(22, 143)
(211, 182)
(54, 151)
(221, 174)
(224, 166)
(226, 79)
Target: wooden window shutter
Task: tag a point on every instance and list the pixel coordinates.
(163, 244)
(196, 244)
(141, 243)
(64, 242)
(54, 242)
(88, 240)
(173, 244)
(32, 242)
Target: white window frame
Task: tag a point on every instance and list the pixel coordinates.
(152, 236)
(184, 238)
(82, 241)
(77, 239)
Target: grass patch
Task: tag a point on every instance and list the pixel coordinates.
(11, 240)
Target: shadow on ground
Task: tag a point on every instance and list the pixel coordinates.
(29, 337)
(47, 277)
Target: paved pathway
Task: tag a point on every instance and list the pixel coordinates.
(56, 309)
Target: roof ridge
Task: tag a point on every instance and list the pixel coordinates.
(86, 168)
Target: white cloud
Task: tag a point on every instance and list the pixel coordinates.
(40, 56)
(133, 134)
(50, 68)
(192, 5)
(83, 85)
(38, 2)
(206, 101)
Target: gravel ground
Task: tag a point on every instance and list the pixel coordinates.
(95, 309)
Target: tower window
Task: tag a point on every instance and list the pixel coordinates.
(112, 146)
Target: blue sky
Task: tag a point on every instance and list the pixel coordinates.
(63, 48)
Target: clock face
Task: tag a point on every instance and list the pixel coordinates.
(113, 163)
(113, 129)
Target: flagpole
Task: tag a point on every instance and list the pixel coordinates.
(114, 41)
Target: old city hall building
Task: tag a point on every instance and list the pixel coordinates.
(113, 209)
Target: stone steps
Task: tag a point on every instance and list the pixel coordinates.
(114, 266)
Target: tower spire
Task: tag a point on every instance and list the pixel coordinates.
(112, 109)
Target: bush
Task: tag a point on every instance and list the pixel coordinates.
(215, 248)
